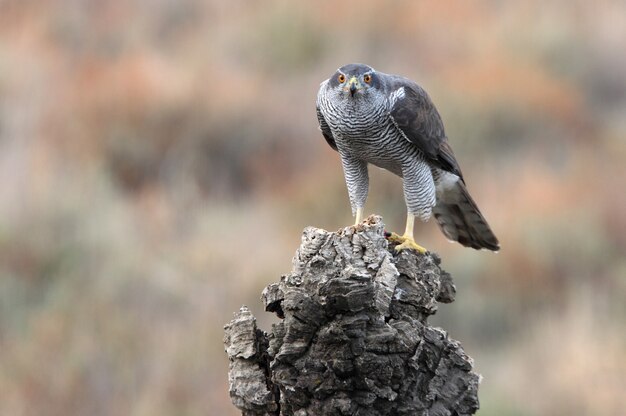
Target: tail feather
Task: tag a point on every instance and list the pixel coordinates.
(459, 218)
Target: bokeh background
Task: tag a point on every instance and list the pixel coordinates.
(160, 158)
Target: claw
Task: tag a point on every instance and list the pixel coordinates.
(405, 242)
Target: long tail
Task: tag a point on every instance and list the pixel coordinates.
(458, 215)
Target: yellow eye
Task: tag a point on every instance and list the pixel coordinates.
(367, 78)
(341, 78)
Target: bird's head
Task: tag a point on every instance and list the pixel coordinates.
(354, 81)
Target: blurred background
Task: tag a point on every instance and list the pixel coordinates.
(147, 145)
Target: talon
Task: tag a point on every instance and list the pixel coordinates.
(412, 245)
(405, 242)
(394, 238)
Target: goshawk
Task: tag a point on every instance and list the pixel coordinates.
(390, 122)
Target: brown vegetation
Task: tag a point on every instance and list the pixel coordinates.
(143, 143)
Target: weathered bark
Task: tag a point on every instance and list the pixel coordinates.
(354, 338)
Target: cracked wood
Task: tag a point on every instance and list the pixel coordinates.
(353, 337)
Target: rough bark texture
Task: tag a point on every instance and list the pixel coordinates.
(354, 338)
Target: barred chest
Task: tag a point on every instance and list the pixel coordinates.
(361, 130)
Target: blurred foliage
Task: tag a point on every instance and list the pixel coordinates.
(145, 145)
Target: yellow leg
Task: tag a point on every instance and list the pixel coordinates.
(408, 230)
(407, 241)
(359, 216)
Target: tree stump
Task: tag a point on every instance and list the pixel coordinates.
(354, 337)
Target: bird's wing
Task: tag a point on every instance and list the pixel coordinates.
(415, 115)
(328, 135)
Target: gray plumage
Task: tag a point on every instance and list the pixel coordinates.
(390, 122)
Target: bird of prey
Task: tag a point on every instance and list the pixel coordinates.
(389, 121)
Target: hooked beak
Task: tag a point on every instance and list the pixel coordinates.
(354, 86)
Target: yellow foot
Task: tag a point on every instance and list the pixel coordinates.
(405, 243)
